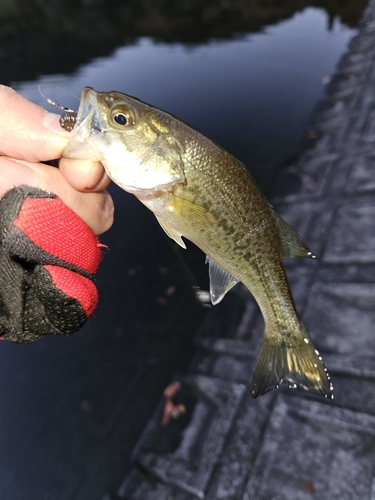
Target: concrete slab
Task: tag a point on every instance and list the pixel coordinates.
(189, 462)
(361, 178)
(241, 449)
(352, 238)
(314, 450)
(341, 318)
(138, 486)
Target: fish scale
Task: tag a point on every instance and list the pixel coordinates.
(200, 192)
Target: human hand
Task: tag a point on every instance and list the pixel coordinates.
(30, 135)
(48, 257)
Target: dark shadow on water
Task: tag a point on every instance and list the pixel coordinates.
(57, 36)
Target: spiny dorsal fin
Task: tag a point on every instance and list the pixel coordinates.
(171, 232)
(291, 242)
(220, 281)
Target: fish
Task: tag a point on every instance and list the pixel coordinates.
(200, 192)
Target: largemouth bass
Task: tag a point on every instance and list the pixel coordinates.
(198, 191)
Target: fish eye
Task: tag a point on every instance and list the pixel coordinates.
(120, 119)
(123, 116)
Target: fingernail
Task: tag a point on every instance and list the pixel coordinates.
(5, 88)
(52, 123)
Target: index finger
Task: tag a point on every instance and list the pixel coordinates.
(27, 131)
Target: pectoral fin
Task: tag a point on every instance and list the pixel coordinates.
(193, 213)
(292, 244)
(220, 281)
(171, 232)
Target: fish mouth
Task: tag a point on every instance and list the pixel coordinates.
(88, 125)
(88, 111)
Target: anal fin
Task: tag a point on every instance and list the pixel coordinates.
(220, 281)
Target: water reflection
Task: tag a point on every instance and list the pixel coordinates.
(59, 35)
(252, 94)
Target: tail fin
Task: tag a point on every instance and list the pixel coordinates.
(296, 364)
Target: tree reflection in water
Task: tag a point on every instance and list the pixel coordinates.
(57, 36)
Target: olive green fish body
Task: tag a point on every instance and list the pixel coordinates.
(234, 226)
(200, 192)
(240, 239)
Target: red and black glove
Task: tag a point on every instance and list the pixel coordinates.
(48, 257)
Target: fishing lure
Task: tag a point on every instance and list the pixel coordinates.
(68, 119)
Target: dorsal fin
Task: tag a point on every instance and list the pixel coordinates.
(220, 281)
(291, 242)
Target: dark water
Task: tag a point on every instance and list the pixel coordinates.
(253, 93)
(249, 76)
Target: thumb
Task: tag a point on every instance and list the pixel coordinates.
(29, 132)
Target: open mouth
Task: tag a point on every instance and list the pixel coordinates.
(88, 117)
(88, 126)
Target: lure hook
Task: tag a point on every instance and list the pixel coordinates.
(68, 119)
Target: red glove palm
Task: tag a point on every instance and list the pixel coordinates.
(48, 257)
